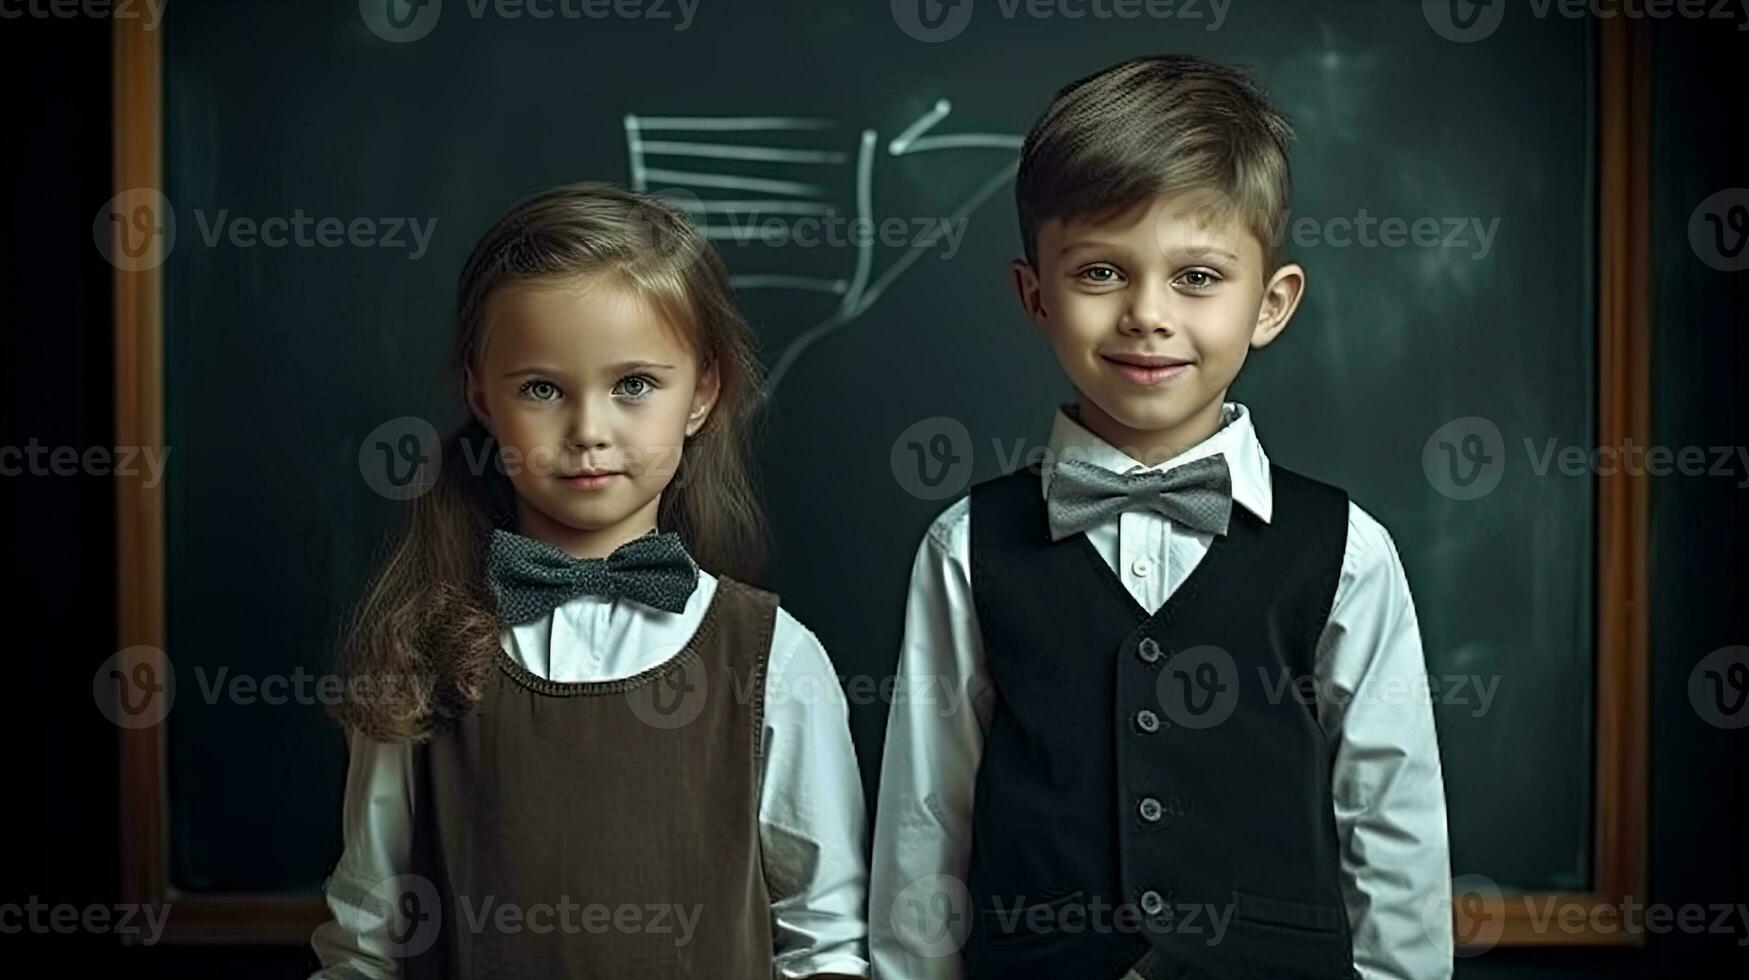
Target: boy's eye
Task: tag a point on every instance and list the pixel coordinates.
(1199, 279)
(634, 386)
(540, 390)
(1099, 274)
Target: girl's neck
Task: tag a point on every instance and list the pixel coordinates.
(585, 542)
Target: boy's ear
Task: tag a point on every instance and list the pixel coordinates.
(1028, 291)
(1281, 296)
(704, 398)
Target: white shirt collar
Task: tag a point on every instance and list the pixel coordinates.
(1236, 439)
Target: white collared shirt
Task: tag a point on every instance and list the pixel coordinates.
(1389, 796)
(812, 824)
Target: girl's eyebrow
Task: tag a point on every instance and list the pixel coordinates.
(619, 368)
(533, 370)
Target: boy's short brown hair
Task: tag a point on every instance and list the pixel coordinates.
(1153, 125)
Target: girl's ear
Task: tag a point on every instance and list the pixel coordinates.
(476, 396)
(704, 398)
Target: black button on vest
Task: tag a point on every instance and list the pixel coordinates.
(1155, 780)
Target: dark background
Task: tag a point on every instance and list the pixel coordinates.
(58, 388)
(281, 363)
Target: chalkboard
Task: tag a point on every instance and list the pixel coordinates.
(281, 361)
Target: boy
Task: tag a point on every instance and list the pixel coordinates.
(1169, 747)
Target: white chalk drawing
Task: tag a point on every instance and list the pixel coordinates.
(781, 193)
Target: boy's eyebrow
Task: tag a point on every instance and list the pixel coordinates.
(1089, 243)
(1205, 250)
(1190, 250)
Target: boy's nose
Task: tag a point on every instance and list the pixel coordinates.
(1149, 312)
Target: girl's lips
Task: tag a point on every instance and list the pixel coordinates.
(586, 481)
(1148, 375)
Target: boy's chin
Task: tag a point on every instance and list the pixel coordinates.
(1156, 416)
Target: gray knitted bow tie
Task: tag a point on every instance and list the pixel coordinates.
(532, 577)
(1198, 494)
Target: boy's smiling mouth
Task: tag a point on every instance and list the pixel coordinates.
(1147, 369)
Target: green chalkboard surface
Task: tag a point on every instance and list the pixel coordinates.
(425, 123)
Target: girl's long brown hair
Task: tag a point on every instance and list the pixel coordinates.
(424, 635)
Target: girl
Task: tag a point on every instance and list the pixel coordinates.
(574, 751)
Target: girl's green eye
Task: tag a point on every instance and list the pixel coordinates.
(1106, 274)
(634, 386)
(540, 390)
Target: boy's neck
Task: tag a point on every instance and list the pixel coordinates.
(1150, 447)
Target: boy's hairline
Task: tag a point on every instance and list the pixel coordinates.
(1272, 257)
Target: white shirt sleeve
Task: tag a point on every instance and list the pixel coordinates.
(812, 821)
(935, 738)
(1387, 779)
(377, 819)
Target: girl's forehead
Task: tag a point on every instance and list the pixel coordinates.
(595, 320)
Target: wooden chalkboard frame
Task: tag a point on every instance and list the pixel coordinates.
(1623, 413)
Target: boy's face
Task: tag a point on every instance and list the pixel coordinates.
(1151, 313)
(590, 394)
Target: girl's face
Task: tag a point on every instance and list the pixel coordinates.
(590, 393)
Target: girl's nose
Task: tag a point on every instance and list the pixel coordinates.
(588, 425)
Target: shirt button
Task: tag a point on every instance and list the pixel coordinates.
(1148, 649)
(1149, 808)
(1152, 903)
(1147, 721)
(1141, 566)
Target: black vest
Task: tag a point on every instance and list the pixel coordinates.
(1147, 775)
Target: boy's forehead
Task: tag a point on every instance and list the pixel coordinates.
(1169, 221)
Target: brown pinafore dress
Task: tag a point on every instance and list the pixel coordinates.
(601, 829)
